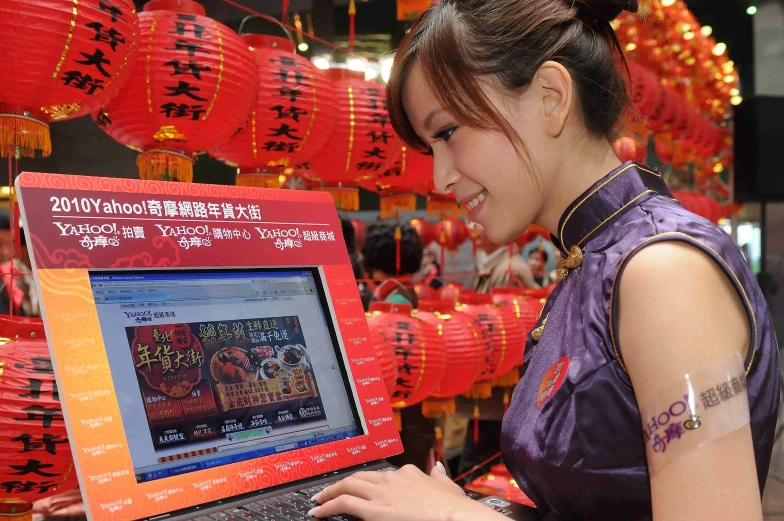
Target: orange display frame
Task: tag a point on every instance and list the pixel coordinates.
(75, 224)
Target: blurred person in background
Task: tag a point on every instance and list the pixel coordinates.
(493, 265)
(350, 237)
(24, 297)
(379, 259)
(431, 271)
(537, 261)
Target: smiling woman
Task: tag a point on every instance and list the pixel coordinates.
(653, 369)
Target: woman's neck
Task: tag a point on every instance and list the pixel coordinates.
(575, 173)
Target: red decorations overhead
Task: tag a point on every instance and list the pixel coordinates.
(466, 356)
(396, 185)
(503, 329)
(59, 59)
(419, 351)
(37, 460)
(425, 229)
(385, 355)
(362, 143)
(533, 233)
(291, 120)
(190, 90)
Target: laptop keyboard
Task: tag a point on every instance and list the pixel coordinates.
(293, 506)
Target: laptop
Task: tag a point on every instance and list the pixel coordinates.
(210, 348)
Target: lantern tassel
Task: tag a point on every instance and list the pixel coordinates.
(509, 379)
(394, 205)
(24, 134)
(346, 199)
(442, 209)
(260, 180)
(480, 391)
(165, 165)
(476, 423)
(506, 400)
(352, 14)
(442, 243)
(398, 238)
(439, 444)
(433, 408)
(398, 420)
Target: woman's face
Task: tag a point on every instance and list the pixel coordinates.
(482, 168)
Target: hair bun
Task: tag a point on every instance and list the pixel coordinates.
(605, 10)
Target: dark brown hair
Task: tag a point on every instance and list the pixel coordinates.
(460, 43)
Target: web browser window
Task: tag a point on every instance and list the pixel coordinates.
(217, 367)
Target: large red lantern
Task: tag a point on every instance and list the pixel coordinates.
(425, 229)
(526, 309)
(291, 120)
(466, 355)
(396, 185)
(190, 90)
(37, 461)
(419, 351)
(451, 234)
(503, 329)
(385, 355)
(59, 59)
(362, 144)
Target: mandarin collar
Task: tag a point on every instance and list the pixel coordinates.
(605, 201)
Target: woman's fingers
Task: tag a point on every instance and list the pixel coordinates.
(344, 504)
(354, 485)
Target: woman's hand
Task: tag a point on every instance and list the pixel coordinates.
(407, 494)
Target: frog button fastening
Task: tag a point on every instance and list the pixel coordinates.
(573, 261)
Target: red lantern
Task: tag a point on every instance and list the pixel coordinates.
(190, 90)
(396, 185)
(526, 309)
(37, 460)
(503, 329)
(466, 356)
(59, 59)
(425, 229)
(362, 143)
(439, 206)
(292, 92)
(360, 231)
(645, 92)
(385, 354)
(630, 149)
(419, 351)
(531, 234)
(451, 234)
(451, 291)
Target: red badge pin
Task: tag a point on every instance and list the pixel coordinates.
(552, 381)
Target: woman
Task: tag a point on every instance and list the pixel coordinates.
(651, 381)
(383, 240)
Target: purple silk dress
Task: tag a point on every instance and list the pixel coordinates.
(573, 436)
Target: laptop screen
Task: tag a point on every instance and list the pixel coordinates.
(212, 367)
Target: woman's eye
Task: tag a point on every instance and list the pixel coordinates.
(446, 133)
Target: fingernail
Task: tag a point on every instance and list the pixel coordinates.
(440, 467)
(315, 497)
(312, 511)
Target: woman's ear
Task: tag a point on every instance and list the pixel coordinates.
(555, 90)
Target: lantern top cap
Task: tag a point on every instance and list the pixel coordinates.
(437, 306)
(178, 6)
(265, 41)
(390, 307)
(471, 297)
